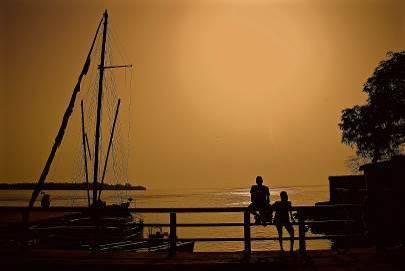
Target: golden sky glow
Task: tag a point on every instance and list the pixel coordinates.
(222, 90)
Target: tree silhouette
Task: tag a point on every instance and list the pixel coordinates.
(377, 129)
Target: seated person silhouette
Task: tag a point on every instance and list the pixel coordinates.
(260, 206)
(282, 217)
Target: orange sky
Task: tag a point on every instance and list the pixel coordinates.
(222, 90)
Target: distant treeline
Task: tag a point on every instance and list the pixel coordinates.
(68, 186)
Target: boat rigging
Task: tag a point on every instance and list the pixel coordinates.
(97, 184)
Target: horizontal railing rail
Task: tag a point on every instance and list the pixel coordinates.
(302, 222)
(176, 209)
(239, 224)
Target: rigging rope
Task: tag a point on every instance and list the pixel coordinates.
(118, 168)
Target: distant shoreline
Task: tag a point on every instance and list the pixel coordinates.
(69, 186)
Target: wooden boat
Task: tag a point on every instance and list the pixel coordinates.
(88, 229)
(102, 226)
(100, 223)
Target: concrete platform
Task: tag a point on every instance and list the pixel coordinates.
(355, 259)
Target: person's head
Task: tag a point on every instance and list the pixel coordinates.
(283, 196)
(259, 180)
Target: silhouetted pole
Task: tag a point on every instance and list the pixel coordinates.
(301, 233)
(61, 132)
(88, 146)
(99, 106)
(109, 147)
(85, 154)
(173, 234)
(246, 232)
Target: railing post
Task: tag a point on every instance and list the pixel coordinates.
(246, 231)
(301, 232)
(173, 234)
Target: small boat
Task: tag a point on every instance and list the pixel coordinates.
(158, 241)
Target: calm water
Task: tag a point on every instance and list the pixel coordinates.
(193, 198)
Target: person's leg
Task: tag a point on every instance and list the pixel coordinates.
(266, 216)
(253, 210)
(258, 215)
(258, 218)
(289, 227)
(280, 235)
(262, 216)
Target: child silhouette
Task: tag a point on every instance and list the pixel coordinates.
(282, 217)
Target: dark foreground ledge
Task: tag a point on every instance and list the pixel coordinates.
(356, 259)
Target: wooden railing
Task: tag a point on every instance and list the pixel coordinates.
(301, 214)
(246, 224)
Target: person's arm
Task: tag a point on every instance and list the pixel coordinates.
(267, 196)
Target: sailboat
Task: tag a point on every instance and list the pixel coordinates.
(101, 226)
(100, 223)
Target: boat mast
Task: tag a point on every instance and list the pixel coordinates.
(99, 105)
(109, 148)
(85, 155)
(87, 144)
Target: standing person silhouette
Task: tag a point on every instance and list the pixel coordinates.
(282, 217)
(260, 198)
(46, 200)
